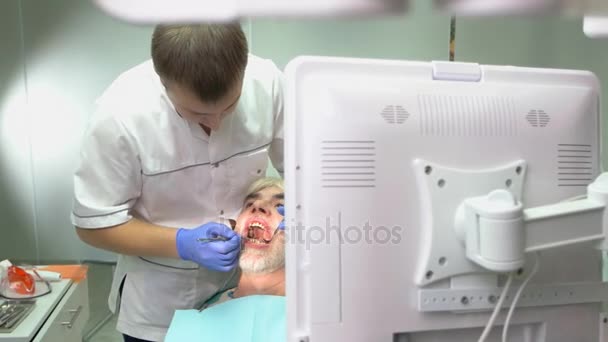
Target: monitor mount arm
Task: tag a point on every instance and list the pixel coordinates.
(498, 231)
(477, 228)
(474, 222)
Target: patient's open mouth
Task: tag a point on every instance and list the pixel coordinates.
(257, 233)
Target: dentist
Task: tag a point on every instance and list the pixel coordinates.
(170, 151)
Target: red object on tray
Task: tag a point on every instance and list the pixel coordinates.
(21, 281)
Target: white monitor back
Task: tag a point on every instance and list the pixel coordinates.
(358, 227)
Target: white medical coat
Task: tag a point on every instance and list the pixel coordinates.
(141, 159)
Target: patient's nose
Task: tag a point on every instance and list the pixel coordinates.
(260, 207)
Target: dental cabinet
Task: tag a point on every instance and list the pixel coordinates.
(58, 316)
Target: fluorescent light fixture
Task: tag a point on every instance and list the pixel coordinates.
(502, 7)
(492, 7)
(596, 27)
(153, 11)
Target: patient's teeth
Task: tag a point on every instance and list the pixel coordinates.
(257, 225)
(251, 233)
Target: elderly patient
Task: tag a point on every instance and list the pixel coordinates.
(254, 310)
(262, 258)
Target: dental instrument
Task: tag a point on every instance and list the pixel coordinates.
(212, 239)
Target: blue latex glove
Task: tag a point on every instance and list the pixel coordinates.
(281, 210)
(220, 255)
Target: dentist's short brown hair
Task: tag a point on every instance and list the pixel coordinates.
(208, 59)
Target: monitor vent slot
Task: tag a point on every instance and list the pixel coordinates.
(445, 115)
(538, 118)
(394, 114)
(348, 164)
(574, 165)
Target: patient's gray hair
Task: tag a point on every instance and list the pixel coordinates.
(263, 183)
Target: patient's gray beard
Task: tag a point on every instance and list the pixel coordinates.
(258, 261)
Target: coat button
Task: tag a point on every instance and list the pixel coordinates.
(221, 212)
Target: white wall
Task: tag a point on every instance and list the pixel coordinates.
(57, 56)
(72, 53)
(17, 226)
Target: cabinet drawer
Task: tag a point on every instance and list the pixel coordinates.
(67, 321)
